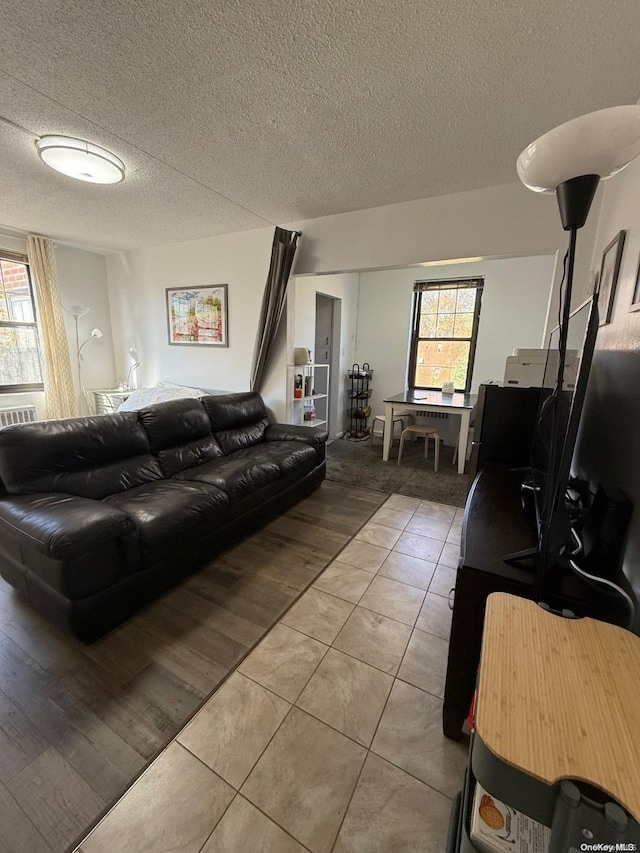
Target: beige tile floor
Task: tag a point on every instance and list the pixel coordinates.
(328, 736)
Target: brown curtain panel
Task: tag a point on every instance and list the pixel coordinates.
(283, 252)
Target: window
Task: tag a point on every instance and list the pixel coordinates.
(445, 326)
(20, 368)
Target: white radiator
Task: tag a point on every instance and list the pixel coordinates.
(438, 416)
(17, 415)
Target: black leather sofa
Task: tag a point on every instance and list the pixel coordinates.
(100, 514)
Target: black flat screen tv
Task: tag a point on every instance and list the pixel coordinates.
(555, 437)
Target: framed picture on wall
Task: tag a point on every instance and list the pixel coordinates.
(609, 270)
(198, 316)
(635, 300)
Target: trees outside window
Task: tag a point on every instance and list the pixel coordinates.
(20, 368)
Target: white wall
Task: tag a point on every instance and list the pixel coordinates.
(514, 306)
(493, 222)
(303, 306)
(137, 282)
(502, 221)
(82, 280)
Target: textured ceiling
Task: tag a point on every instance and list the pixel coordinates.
(235, 114)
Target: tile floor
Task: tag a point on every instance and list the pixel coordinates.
(328, 736)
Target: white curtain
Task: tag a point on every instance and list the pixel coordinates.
(56, 366)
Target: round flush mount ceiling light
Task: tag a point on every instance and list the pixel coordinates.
(80, 159)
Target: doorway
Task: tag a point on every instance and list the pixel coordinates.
(327, 351)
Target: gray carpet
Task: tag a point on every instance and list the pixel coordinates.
(357, 463)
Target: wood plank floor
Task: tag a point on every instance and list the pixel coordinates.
(79, 723)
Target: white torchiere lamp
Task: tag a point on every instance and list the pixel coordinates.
(95, 334)
(78, 311)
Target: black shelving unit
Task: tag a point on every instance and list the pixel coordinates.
(358, 403)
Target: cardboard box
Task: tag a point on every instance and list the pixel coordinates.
(498, 828)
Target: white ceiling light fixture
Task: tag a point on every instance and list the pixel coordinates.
(80, 159)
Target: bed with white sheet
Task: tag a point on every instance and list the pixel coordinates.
(142, 397)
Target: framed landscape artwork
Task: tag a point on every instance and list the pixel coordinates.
(609, 270)
(198, 316)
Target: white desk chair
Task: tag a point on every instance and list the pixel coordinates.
(399, 417)
(428, 432)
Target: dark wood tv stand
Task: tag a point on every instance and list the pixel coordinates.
(495, 525)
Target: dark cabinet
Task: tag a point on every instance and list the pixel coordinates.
(504, 425)
(497, 523)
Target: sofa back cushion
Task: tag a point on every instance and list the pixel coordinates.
(179, 433)
(91, 457)
(237, 420)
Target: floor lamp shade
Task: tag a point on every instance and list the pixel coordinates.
(571, 159)
(600, 143)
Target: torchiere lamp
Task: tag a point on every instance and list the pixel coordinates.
(571, 160)
(95, 333)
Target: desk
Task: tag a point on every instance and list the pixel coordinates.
(431, 401)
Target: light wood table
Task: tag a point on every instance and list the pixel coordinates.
(431, 401)
(559, 698)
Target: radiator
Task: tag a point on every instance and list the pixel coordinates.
(439, 416)
(17, 415)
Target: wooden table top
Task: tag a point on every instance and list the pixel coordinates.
(560, 698)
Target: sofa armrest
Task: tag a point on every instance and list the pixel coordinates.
(62, 526)
(315, 436)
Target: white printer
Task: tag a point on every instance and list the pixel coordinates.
(526, 368)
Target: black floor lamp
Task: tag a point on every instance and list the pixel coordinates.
(570, 161)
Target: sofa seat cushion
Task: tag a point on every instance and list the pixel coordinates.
(236, 476)
(167, 514)
(291, 457)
